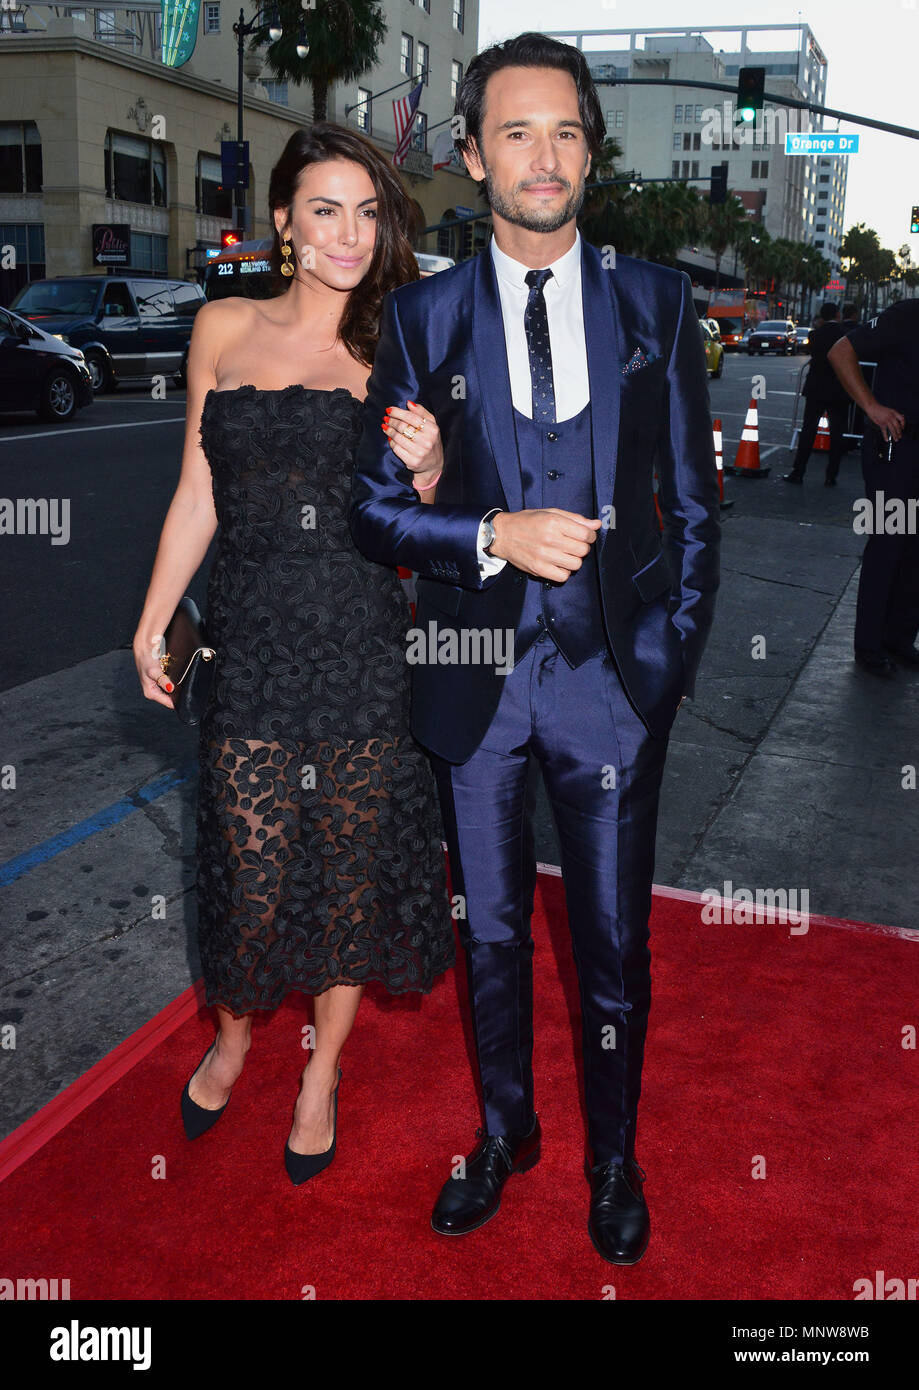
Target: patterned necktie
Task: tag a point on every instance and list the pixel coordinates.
(536, 326)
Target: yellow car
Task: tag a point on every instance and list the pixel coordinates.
(714, 350)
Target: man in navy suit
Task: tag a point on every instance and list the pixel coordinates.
(559, 375)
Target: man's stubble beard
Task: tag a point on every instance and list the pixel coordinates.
(534, 220)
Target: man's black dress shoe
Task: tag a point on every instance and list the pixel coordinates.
(876, 663)
(619, 1224)
(466, 1203)
(792, 477)
(909, 656)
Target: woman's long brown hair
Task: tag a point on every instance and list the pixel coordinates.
(392, 263)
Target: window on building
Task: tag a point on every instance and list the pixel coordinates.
(210, 198)
(364, 109)
(698, 115)
(277, 91)
(697, 140)
(615, 119)
(456, 77)
(824, 178)
(678, 115)
(820, 227)
(420, 132)
(685, 173)
(677, 140)
(764, 168)
(28, 240)
(695, 169)
(754, 169)
(423, 62)
(135, 169)
(211, 18)
(459, 15)
(675, 169)
(687, 140)
(819, 245)
(405, 55)
(20, 157)
(149, 252)
(105, 30)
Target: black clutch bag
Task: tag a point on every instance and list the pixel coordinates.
(188, 661)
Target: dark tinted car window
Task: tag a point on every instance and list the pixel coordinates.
(116, 301)
(154, 298)
(187, 299)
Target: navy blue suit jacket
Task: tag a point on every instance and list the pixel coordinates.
(442, 345)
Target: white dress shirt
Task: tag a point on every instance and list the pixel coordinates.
(568, 346)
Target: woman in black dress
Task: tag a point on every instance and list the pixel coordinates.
(318, 831)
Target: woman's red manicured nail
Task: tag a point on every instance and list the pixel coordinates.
(413, 403)
(169, 687)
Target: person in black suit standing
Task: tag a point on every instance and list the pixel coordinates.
(887, 611)
(558, 374)
(823, 395)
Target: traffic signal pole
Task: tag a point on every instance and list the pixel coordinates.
(768, 96)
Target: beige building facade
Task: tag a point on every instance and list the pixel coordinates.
(95, 130)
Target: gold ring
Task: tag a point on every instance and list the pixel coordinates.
(410, 431)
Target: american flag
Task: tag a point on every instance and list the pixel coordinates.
(403, 112)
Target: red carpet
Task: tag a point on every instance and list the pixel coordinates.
(765, 1048)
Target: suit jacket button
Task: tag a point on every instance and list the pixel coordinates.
(552, 435)
(552, 474)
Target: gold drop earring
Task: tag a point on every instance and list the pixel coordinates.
(286, 267)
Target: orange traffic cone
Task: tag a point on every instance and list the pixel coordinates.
(719, 464)
(822, 440)
(747, 464)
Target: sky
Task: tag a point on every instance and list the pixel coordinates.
(871, 53)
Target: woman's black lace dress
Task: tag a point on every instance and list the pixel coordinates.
(318, 831)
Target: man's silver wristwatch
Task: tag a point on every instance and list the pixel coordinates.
(487, 536)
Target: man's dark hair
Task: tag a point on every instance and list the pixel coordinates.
(849, 310)
(529, 50)
(828, 310)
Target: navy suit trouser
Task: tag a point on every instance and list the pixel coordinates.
(602, 772)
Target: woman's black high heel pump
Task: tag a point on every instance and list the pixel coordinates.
(301, 1167)
(196, 1119)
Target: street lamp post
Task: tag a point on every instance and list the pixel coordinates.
(242, 29)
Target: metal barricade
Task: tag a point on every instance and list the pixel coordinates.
(854, 417)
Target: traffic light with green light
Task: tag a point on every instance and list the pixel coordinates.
(750, 85)
(914, 220)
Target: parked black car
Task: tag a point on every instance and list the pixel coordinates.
(39, 372)
(773, 335)
(127, 327)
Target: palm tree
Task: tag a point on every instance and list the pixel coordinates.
(343, 37)
(724, 225)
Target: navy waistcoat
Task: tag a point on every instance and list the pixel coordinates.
(557, 471)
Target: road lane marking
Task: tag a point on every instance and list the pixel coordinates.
(91, 429)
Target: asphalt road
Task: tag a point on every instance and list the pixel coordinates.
(117, 464)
